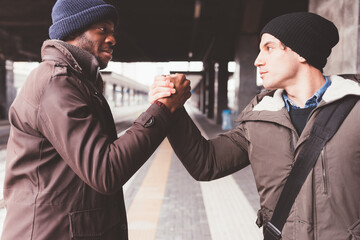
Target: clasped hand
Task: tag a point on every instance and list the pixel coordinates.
(172, 90)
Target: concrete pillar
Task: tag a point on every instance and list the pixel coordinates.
(131, 96)
(209, 87)
(10, 85)
(221, 79)
(345, 56)
(128, 91)
(122, 96)
(139, 97)
(143, 97)
(7, 89)
(202, 95)
(136, 96)
(2, 89)
(114, 95)
(245, 74)
(133, 100)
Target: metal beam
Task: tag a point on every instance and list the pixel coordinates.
(23, 24)
(251, 19)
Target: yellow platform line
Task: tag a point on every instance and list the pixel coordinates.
(143, 214)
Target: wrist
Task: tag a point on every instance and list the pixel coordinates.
(163, 107)
(169, 104)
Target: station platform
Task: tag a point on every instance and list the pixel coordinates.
(165, 203)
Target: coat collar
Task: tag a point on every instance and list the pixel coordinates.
(339, 88)
(76, 58)
(269, 106)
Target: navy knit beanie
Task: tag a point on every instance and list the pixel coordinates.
(70, 16)
(308, 34)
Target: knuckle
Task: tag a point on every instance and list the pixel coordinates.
(179, 76)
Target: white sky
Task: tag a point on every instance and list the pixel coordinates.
(143, 72)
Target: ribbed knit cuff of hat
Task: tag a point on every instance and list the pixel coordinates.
(70, 16)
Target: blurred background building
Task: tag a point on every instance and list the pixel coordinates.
(210, 32)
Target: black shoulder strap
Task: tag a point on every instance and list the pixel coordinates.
(326, 124)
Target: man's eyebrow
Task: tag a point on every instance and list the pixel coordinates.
(270, 42)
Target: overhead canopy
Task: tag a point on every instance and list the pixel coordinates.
(150, 30)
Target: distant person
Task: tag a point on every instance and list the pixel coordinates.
(65, 166)
(276, 125)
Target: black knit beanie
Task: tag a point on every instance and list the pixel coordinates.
(70, 16)
(308, 34)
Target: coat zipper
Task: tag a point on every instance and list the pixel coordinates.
(324, 172)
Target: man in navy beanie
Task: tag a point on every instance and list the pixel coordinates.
(276, 126)
(65, 165)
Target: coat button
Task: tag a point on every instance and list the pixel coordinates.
(149, 122)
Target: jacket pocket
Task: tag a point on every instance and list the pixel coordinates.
(324, 171)
(96, 224)
(355, 231)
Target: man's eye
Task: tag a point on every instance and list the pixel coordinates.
(270, 49)
(102, 29)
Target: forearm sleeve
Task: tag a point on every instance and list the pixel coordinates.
(67, 121)
(206, 159)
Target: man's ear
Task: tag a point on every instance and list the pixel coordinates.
(73, 36)
(301, 59)
(70, 38)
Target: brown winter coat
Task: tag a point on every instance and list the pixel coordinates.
(328, 205)
(65, 166)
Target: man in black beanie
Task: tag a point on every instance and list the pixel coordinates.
(274, 128)
(65, 165)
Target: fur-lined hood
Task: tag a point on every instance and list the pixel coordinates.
(268, 103)
(79, 60)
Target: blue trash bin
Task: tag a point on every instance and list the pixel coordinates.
(226, 120)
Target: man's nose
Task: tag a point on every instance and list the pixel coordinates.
(259, 60)
(110, 39)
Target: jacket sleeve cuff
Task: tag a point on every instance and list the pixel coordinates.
(153, 115)
(163, 107)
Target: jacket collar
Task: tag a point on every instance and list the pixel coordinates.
(339, 88)
(76, 58)
(269, 106)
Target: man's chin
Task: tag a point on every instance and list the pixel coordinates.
(103, 64)
(268, 87)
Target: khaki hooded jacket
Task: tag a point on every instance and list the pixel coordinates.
(65, 165)
(328, 205)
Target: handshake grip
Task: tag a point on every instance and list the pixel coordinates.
(172, 90)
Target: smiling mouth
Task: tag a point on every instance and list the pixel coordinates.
(108, 53)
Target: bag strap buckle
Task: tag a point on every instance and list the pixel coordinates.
(271, 232)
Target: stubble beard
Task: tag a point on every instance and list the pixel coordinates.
(88, 45)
